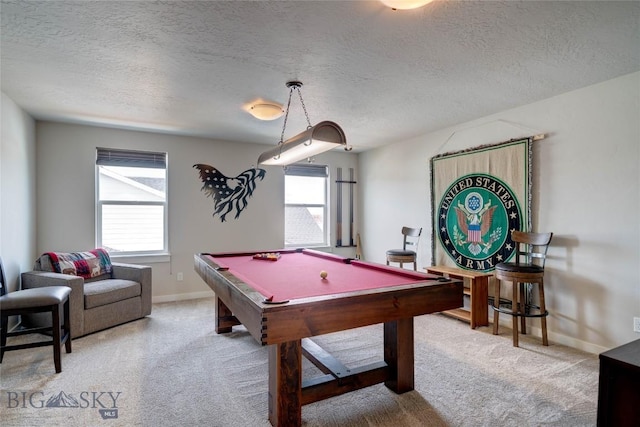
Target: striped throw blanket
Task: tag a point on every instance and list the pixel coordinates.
(84, 264)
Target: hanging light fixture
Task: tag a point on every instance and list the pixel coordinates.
(405, 4)
(314, 140)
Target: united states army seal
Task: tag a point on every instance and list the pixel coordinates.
(475, 218)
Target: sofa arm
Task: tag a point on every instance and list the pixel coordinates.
(39, 279)
(137, 273)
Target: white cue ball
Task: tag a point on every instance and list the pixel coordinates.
(323, 274)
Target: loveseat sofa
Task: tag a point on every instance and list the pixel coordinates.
(103, 294)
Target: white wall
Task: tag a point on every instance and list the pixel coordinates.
(66, 198)
(586, 191)
(17, 191)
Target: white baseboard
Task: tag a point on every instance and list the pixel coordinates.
(181, 297)
(571, 341)
(555, 338)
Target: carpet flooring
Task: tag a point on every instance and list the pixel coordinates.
(172, 369)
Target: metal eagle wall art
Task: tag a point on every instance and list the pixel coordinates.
(229, 193)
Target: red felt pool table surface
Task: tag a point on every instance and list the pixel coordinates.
(296, 274)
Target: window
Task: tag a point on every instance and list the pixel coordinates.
(131, 214)
(305, 206)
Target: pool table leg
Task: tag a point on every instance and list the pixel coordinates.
(285, 384)
(398, 354)
(225, 319)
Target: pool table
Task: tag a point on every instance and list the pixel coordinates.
(282, 300)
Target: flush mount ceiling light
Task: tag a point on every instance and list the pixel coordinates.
(314, 140)
(266, 110)
(405, 4)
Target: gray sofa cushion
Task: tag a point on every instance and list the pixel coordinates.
(109, 291)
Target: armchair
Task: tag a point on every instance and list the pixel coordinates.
(103, 294)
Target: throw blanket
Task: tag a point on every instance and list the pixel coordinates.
(84, 264)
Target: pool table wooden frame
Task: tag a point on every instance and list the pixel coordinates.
(286, 328)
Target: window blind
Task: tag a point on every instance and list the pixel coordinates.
(131, 158)
(307, 170)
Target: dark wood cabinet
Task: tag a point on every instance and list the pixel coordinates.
(619, 386)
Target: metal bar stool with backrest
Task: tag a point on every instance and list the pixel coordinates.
(47, 299)
(409, 251)
(526, 269)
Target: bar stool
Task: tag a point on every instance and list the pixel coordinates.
(48, 299)
(527, 269)
(411, 238)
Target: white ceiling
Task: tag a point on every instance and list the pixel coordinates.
(383, 75)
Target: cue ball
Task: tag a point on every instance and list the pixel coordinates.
(323, 274)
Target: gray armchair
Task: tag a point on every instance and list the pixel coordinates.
(96, 303)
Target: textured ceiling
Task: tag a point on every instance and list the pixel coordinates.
(383, 75)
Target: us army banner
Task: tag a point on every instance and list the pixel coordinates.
(478, 196)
